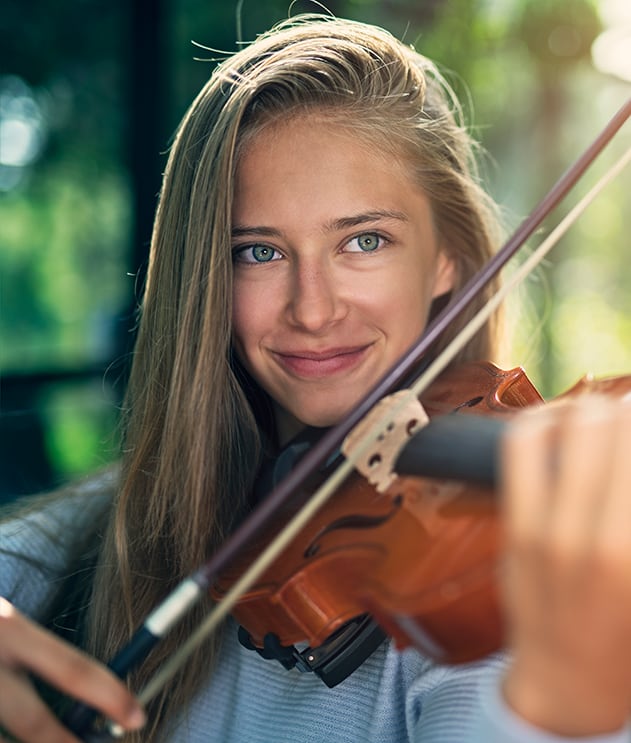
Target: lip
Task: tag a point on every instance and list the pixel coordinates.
(321, 364)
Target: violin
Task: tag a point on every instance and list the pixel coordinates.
(422, 557)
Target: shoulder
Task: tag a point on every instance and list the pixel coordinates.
(40, 535)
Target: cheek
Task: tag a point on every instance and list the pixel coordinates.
(252, 316)
(243, 319)
(403, 302)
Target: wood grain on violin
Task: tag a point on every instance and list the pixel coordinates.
(422, 557)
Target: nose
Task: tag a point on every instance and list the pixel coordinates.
(315, 297)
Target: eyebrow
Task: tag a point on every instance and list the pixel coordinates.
(340, 223)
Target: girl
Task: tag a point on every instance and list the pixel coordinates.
(319, 204)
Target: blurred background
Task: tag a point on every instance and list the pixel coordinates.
(90, 94)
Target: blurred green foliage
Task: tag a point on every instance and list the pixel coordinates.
(67, 275)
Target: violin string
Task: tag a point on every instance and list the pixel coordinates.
(326, 490)
(266, 557)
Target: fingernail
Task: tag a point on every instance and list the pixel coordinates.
(137, 718)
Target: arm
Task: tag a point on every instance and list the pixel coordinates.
(567, 572)
(36, 552)
(26, 648)
(499, 723)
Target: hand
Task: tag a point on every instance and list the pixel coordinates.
(25, 647)
(567, 577)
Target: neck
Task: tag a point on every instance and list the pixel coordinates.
(287, 426)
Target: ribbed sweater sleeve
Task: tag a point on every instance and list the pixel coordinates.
(394, 697)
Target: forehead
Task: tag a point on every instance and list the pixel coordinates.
(309, 142)
(307, 175)
(370, 131)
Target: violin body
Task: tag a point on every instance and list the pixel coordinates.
(412, 556)
(421, 558)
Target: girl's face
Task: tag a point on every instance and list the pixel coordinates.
(336, 263)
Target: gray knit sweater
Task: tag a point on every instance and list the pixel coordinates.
(393, 697)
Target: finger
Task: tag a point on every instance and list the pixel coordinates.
(616, 511)
(525, 479)
(24, 715)
(581, 471)
(27, 646)
(525, 474)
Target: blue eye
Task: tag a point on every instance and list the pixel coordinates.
(367, 242)
(255, 254)
(262, 254)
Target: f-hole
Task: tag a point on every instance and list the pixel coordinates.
(469, 403)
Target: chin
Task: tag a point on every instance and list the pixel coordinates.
(326, 413)
(325, 419)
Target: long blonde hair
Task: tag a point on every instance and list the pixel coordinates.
(192, 438)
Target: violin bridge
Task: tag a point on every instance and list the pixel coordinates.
(374, 444)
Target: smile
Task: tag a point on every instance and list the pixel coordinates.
(320, 364)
